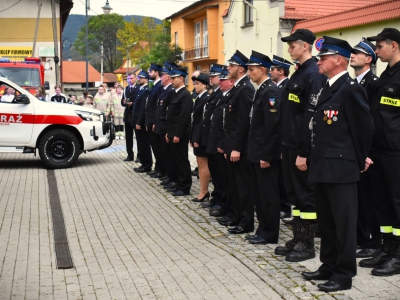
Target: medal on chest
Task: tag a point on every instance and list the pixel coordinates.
(330, 116)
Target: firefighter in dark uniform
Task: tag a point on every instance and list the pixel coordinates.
(368, 235)
(341, 129)
(236, 130)
(160, 126)
(264, 150)
(279, 73)
(127, 101)
(385, 172)
(178, 131)
(150, 110)
(215, 143)
(214, 96)
(299, 99)
(138, 119)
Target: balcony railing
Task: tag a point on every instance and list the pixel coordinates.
(196, 53)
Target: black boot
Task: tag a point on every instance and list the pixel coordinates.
(382, 256)
(289, 245)
(392, 265)
(304, 248)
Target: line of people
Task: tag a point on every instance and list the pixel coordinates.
(270, 142)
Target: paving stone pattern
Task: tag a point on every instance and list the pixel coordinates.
(130, 239)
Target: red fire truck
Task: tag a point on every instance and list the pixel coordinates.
(28, 74)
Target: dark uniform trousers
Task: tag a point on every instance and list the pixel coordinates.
(337, 204)
(155, 142)
(339, 149)
(241, 210)
(170, 166)
(180, 156)
(129, 131)
(223, 191)
(299, 191)
(266, 187)
(216, 179)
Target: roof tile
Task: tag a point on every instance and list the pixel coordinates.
(369, 14)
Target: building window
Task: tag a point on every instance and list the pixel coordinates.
(248, 12)
(176, 38)
(197, 40)
(205, 38)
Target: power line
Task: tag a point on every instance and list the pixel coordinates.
(10, 6)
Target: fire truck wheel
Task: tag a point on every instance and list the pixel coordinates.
(59, 148)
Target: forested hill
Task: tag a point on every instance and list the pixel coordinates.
(75, 23)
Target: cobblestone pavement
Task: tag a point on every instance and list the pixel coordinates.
(130, 239)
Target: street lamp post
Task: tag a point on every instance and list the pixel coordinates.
(106, 9)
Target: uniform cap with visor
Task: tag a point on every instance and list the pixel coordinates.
(332, 46)
(224, 73)
(278, 61)
(387, 34)
(367, 48)
(215, 69)
(259, 59)
(239, 59)
(304, 35)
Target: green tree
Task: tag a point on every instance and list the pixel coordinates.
(102, 29)
(147, 42)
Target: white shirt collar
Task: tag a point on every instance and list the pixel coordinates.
(178, 89)
(361, 76)
(226, 92)
(237, 81)
(165, 87)
(201, 94)
(279, 82)
(142, 87)
(155, 82)
(336, 77)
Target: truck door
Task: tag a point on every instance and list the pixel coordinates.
(16, 121)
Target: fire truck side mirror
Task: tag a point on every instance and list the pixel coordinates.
(22, 99)
(46, 85)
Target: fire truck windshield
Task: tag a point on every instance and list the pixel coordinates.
(22, 76)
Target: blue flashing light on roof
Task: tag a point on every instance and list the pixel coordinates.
(4, 59)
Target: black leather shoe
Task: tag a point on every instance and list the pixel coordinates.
(331, 286)
(205, 197)
(227, 223)
(170, 185)
(364, 253)
(157, 175)
(214, 207)
(251, 236)
(216, 213)
(172, 189)
(163, 178)
(288, 222)
(165, 182)
(137, 160)
(238, 230)
(195, 172)
(151, 172)
(206, 204)
(128, 159)
(180, 193)
(258, 241)
(285, 215)
(378, 259)
(225, 218)
(142, 170)
(317, 275)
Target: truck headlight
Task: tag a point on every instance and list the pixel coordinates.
(88, 116)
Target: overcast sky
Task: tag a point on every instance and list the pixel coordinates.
(151, 8)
